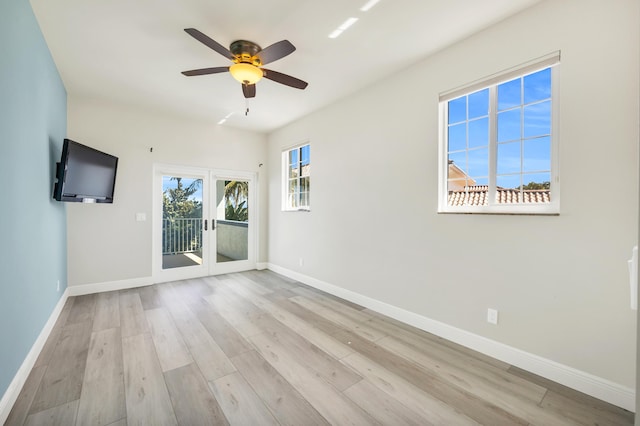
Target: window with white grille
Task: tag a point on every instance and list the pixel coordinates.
(498, 147)
(297, 174)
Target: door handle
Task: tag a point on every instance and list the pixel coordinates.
(205, 224)
(213, 224)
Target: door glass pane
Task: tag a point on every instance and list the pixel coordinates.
(232, 220)
(181, 222)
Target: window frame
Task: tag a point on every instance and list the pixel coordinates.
(285, 177)
(553, 207)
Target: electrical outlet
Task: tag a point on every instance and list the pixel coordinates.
(301, 261)
(492, 316)
(58, 286)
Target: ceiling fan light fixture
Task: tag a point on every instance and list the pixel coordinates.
(246, 73)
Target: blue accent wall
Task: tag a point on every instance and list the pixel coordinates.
(33, 247)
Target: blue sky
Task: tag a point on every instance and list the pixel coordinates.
(524, 126)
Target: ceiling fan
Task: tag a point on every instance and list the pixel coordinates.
(248, 59)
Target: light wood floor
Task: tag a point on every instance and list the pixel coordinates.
(256, 348)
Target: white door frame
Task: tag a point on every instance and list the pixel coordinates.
(250, 262)
(209, 265)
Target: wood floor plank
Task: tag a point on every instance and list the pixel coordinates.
(132, 318)
(575, 404)
(316, 360)
(433, 410)
(107, 313)
(310, 317)
(394, 327)
(271, 279)
(193, 402)
(20, 409)
(170, 346)
(149, 297)
(278, 295)
(592, 412)
(52, 341)
(317, 294)
(495, 375)
(386, 409)
(208, 355)
(61, 415)
(344, 307)
(341, 318)
(227, 338)
(102, 400)
(319, 338)
(146, 394)
(174, 299)
(521, 404)
(83, 309)
(187, 294)
(239, 402)
(260, 287)
(255, 325)
(62, 382)
(233, 308)
(328, 401)
(451, 395)
(284, 402)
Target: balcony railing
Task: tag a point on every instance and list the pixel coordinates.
(182, 235)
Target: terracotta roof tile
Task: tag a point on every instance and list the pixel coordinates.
(478, 196)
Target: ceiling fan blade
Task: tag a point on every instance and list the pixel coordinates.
(209, 42)
(285, 79)
(276, 51)
(249, 90)
(205, 71)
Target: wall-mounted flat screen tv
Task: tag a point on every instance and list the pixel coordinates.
(85, 175)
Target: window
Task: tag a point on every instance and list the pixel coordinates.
(498, 144)
(297, 174)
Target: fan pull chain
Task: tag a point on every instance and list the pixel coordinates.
(246, 113)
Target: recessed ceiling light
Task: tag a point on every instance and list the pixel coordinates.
(368, 5)
(346, 24)
(225, 118)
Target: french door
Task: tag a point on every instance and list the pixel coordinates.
(203, 222)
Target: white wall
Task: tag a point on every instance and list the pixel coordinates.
(560, 283)
(105, 243)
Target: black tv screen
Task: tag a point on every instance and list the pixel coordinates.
(85, 174)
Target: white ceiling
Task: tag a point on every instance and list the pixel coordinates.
(133, 51)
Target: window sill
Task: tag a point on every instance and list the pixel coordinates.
(296, 210)
(500, 213)
(511, 210)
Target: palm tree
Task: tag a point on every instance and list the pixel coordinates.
(236, 193)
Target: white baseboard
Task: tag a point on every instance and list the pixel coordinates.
(261, 266)
(81, 290)
(582, 381)
(13, 391)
